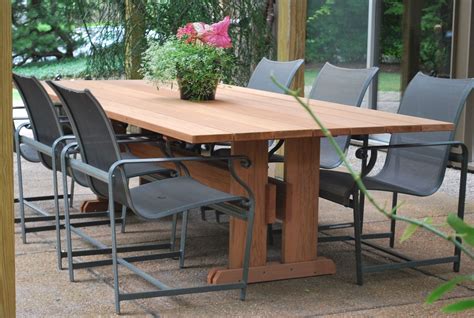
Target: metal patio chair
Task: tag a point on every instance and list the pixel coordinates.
(415, 165)
(46, 128)
(48, 139)
(106, 173)
(337, 85)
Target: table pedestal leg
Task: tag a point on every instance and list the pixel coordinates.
(300, 223)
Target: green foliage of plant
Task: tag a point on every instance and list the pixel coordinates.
(336, 31)
(197, 67)
(69, 68)
(43, 29)
(251, 36)
(460, 227)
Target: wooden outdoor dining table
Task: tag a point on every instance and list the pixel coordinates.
(248, 119)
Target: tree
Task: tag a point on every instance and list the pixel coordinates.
(44, 28)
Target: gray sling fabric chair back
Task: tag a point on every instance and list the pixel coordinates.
(107, 175)
(43, 117)
(46, 128)
(284, 72)
(415, 162)
(344, 86)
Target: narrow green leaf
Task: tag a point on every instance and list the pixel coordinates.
(464, 230)
(459, 306)
(446, 287)
(409, 231)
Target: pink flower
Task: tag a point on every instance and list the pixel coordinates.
(188, 32)
(217, 35)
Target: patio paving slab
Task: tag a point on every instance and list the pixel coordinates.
(43, 291)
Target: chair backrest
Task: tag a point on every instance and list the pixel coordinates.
(344, 86)
(95, 136)
(422, 168)
(282, 71)
(43, 117)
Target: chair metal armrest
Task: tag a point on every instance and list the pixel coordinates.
(275, 149)
(361, 150)
(244, 162)
(21, 126)
(361, 153)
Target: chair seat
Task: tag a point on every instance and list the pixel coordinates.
(173, 195)
(135, 170)
(338, 186)
(29, 153)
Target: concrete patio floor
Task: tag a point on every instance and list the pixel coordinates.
(44, 291)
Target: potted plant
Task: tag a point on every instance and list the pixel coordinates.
(196, 58)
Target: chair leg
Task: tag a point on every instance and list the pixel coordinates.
(124, 218)
(56, 214)
(361, 211)
(393, 222)
(71, 198)
(461, 204)
(357, 238)
(114, 255)
(184, 230)
(173, 232)
(20, 190)
(203, 213)
(248, 246)
(67, 223)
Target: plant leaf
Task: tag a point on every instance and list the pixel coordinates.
(411, 229)
(462, 228)
(459, 306)
(446, 287)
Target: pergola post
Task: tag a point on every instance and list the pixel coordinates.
(134, 37)
(7, 242)
(291, 43)
(291, 34)
(462, 66)
(411, 26)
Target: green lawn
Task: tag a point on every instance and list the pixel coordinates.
(75, 68)
(69, 68)
(388, 81)
(16, 96)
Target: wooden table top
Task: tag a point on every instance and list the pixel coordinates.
(239, 114)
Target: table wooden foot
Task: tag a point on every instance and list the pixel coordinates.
(274, 271)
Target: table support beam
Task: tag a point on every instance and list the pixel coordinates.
(300, 223)
(256, 177)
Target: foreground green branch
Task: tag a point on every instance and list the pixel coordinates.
(463, 230)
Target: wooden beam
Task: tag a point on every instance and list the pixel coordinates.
(462, 66)
(7, 241)
(412, 12)
(291, 43)
(134, 37)
(291, 35)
